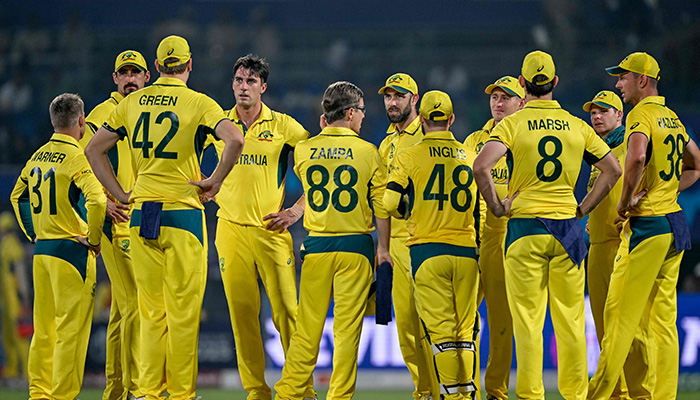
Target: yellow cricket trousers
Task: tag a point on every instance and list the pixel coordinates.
(337, 268)
(122, 352)
(538, 271)
(500, 323)
(244, 252)
(170, 275)
(414, 346)
(642, 296)
(447, 280)
(64, 295)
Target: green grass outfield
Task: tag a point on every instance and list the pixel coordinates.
(218, 394)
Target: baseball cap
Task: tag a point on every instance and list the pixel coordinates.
(604, 99)
(402, 83)
(173, 46)
(130, 57)
(509, 85)
(436, 106)
(538, 63)
(641, 63)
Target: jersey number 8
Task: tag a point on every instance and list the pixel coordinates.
(438, 174)
(326, 196)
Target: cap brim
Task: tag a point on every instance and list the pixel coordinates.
(397, 88)
(616, 70)
(588, 105)
(489, 89)
(130, 63)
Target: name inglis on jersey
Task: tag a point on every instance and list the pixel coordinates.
(448, 152)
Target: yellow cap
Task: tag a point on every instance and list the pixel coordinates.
(604, 99)
(130, 57)
(402, 83)
(641, 63)
(173, 47)
(436, 106)
(509, 85)
(538, 63)
(7, 221)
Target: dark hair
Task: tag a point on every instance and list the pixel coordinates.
(255, 64)
(175, 69)
(65, 110)
(436, 124)
(539, 90)
(652, 81)
(338, 97)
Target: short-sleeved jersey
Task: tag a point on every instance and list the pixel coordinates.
(341, 173)
(391, 145)
(499, 172)
(546, 145)
(166, 125)
(601, 221)
(255, 186)
(664, 162)
(119, 155)
(443, 198)
(57, 192)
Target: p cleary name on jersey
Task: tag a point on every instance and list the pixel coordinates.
(334, 153)
(252, 159)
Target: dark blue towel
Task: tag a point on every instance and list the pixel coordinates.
(384, 279)
(150, 220)
(569, 233)
(681, 232)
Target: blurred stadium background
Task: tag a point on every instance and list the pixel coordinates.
(50, 47)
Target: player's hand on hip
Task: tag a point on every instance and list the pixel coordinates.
(117, 212)
(208, 187)
(83, 240)
(506, 204)
(281, 220)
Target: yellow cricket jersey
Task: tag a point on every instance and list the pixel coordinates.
(601, 221)
(57, 191)
(166, 125)
(395, 142)
(500, 175)
(340, 173)
(119, 155)
(255, 186)
(664, 162)
(437, 174)
(546, 145)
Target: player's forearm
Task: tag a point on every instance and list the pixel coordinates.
(21, 206)
(487, 188)
(229, 155)
(602, 186)
(634, 168)
(688, 178)
(95, 204)
(105, 174)
(298, 208)
(383, 233)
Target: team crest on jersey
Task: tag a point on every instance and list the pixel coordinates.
(221, 264)
(289, 261)
(395, 79)
(125, 245)
(265, 136)
(618, 258)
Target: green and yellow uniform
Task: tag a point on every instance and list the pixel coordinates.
(546, 145)
(493, 286)
(415, 350)
(642, 290)
(341, 175)
(15, 347)
(253, 189)
(166, 125)
(122, 351)
(442, 206)
(55, 191)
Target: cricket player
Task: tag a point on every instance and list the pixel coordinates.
(122, 352)
(47, 200)
(442, 241)
(14, 299)
(342, 175)
(544, 245)
(661, 160)
(506, 96)
(603, 228)
(249, 246)
(400, 99)
(166, 125)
